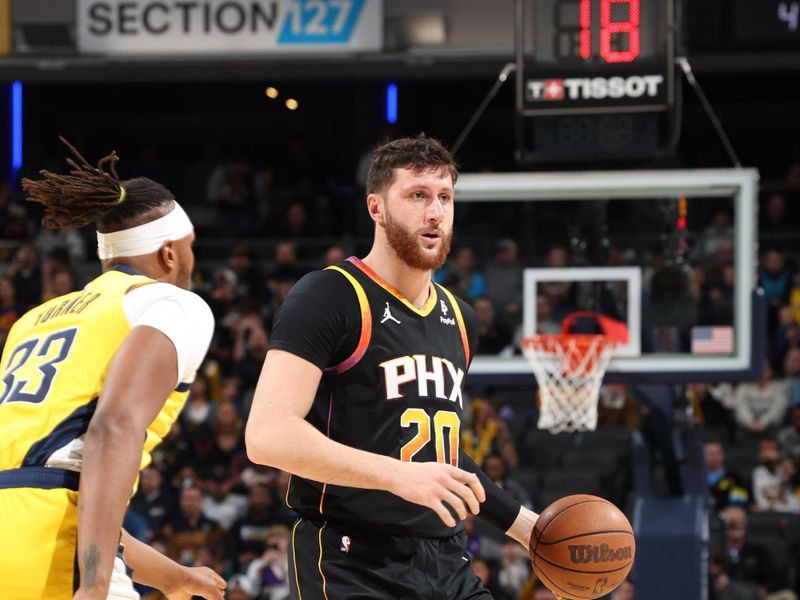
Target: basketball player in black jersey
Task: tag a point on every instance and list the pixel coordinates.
(360, 397)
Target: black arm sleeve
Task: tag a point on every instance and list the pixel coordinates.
(499, 510)
(319, 321)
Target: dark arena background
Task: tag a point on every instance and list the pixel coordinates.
(635, 158)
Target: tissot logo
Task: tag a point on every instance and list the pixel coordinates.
(593, 88)
(586, 553)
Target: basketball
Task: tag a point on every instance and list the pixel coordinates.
(582, 547)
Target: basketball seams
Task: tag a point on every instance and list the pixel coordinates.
(539, 537)
(572, 537)
(584, 572)
(565, 509)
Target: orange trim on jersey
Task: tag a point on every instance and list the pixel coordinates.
(294, 560)
(423, 312)
(366, 325)
(462, 327)
(319, 564)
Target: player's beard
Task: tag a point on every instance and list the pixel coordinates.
(406, 245)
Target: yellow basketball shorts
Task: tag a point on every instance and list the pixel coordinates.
(39, 529)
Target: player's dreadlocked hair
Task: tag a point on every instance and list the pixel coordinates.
(417, 153)
(95, 195)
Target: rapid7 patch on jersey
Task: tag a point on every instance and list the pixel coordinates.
(404, 370)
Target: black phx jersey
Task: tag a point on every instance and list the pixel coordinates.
(398, 394)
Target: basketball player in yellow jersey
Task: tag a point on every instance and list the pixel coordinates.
(90, 382)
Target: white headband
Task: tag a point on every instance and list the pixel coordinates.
(144, 239)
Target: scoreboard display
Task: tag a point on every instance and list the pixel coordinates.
(595, 56)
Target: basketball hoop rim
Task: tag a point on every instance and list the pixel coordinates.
(583, 341)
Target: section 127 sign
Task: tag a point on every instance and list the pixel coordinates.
(216, 27)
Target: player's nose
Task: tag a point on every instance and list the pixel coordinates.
(434, 212)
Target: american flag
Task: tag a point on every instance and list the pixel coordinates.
(712, 340)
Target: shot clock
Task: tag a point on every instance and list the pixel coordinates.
(595, 80)
(595, 56)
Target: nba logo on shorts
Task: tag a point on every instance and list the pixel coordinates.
(345, 544)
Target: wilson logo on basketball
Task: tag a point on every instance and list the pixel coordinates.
(585, 553)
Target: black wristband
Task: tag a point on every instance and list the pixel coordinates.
(499, 509)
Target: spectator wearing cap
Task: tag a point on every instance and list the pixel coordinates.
(504, 283)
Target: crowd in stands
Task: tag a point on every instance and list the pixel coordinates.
(203, 502)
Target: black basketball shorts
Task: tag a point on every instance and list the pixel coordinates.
(336, 562)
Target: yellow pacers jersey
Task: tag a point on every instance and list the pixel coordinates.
(54, 363)
(52, 371)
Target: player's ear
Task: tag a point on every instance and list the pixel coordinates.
(168, 256)
(375, 207)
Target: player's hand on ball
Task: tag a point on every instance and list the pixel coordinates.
(199, 581)
(438, 486)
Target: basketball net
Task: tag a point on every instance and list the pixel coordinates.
(569, 369)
